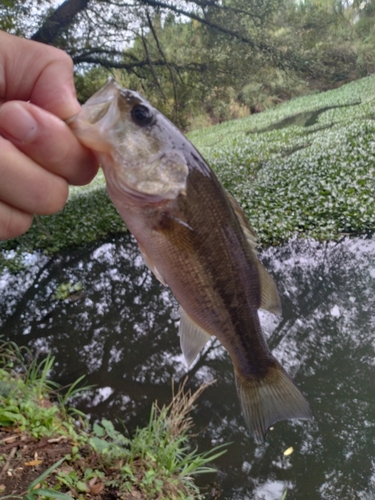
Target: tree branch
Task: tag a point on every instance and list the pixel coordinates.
(153, 31)
(277, 56)
(219, 6)
(60, 19)
(151, 65)
(129, 66)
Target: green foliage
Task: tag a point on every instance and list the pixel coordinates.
(305, 167)
(178, 83)
(78, 482)
(158, 462)
(199, 74)
(64, 290)
(270, 86)
(107, 441)
(26, 406)
(294, 176)
(212, 61)
(24, 396)
(284, 495)
(88, 83)
(87, 216)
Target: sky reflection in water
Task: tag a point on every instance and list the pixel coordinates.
(121, 331)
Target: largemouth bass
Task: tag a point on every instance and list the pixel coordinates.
(195, 239)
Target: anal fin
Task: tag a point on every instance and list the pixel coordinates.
(192, 337)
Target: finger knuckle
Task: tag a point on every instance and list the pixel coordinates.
(63, 58)
(13, 223)
(56, 198)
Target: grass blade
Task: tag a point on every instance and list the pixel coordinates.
(52, 494)
(46, 473)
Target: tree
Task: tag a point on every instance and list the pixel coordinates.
(222, 56)
(211, 41)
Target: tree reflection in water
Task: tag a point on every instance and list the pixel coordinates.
(121, 332)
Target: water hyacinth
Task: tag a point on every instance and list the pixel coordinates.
(315, 180)
(305, 167)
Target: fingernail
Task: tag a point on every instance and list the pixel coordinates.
(16, 123)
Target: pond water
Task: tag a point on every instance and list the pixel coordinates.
(120, 330)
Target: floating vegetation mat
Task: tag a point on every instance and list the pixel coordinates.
(305, 167)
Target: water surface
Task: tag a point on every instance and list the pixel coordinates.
(120, 331)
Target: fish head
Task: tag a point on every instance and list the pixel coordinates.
(140, 150)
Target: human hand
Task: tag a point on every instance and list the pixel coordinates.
(39, 155)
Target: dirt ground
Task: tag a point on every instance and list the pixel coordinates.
(26, 458)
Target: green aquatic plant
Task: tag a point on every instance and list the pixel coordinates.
(293, 176)
(65, 290)
(314, 181)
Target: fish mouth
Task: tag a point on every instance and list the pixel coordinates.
(98, 104)
(100, 112)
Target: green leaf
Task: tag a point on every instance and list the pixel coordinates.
(98, 430)
(108, 426)
(51, 494)
(45, 474)
(100, 445)
(82, 487)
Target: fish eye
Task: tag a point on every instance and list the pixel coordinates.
(142, 115)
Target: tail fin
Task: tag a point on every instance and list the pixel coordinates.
(270, 399)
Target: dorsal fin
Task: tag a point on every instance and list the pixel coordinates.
(270, 300)
(247, 229)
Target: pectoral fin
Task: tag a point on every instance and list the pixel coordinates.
(270, 300)
(151, 265)
(192, 337)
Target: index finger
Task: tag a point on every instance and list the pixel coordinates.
(32, 71)
(48, 141)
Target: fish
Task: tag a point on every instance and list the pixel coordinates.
(195, 238)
